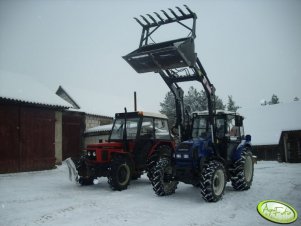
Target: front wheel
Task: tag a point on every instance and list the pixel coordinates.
(213, 181)
(243, 170)
(119, 174)
(162, 181)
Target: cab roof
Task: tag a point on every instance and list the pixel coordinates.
(140, 114)
(218, 112)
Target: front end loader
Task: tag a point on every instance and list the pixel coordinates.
(205, 157)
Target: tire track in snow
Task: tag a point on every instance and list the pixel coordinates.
(62, 213)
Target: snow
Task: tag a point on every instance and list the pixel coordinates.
(101, 128)
(265, 123)
(25, 89)
(49, 198)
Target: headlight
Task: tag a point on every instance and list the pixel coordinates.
(186, 156)
(89, 153)
(178, 156)
(94, 153)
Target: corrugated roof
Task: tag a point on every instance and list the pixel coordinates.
(22, 88)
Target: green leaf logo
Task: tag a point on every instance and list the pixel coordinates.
(276, 211)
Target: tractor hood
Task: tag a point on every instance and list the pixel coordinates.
(106, 145)
(198, 147)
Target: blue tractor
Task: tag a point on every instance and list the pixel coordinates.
(212, 147)
(215, 153)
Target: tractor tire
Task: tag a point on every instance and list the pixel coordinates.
(119, 174)
(243, 170)
(151, 163)
(162, 181)
(163, 151)
(213, 181)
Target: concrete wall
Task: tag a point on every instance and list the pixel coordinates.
(93, 121)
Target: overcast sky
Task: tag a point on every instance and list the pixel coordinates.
(249, 49)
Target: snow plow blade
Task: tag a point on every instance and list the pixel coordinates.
(73, 174)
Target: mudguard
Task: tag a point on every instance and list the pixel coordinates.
(237, 153)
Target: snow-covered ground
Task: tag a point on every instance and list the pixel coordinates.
(49, 198)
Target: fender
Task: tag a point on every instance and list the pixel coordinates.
(237, 153)
(159, 143)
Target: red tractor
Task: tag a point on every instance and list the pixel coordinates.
(136, 142)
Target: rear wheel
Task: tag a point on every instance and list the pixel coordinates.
(163, 151)
(119, 175)
(213, 181)
(151, 163)
(163, 183)
(243, 170)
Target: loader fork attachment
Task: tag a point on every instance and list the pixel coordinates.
(164, 55)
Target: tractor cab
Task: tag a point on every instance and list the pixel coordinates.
(140, 133)
(228, 130)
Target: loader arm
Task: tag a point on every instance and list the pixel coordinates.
(195, 73)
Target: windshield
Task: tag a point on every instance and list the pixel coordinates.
(118, 129)
(200, 127)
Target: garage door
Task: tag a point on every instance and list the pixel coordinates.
(27, 138)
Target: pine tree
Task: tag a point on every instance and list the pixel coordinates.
(193, 101)
(219, 103)
(274, 100)
(168, 107)
(231, 104)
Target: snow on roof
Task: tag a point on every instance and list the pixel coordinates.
(25, 89)
(102, 128)
(152, 114)
(206, 112)
(265, 123)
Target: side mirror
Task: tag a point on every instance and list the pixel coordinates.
(248, 138)
(238, 121)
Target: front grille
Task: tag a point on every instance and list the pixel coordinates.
(184, 147)
(91, 154)
(104, 155)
